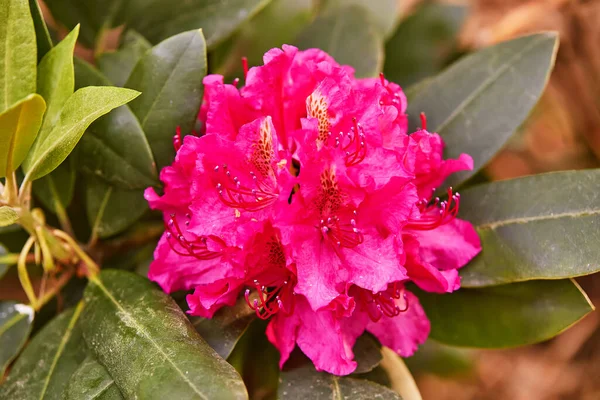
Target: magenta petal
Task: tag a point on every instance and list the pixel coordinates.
(405, 332)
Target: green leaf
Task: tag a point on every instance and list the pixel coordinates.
(48, 362)
(111, 210)
(17, 52)
(8, 216)
(56, 80)
(385, 13)
(217, 18)
(55, 190)
(147, 344)
(6, 260)
(349, 35)
(93, 15)
(80, 110)
(170, 78)
(536, 227)
(19, 126)
(15, 325)
(505, 316)
(438, 359)
(42, 36)
(278, 23)
(367, 353)
(423, 43)
(92, 381)
(223, 331)
(117, 65)
(306, 383)
(478, 102)
(105, 151)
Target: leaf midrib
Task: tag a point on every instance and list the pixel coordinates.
(525, 220)
(141, 330)
(61, 347)
(485, 84)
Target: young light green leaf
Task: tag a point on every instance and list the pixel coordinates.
(224, 330)
(147, 344)
(478, 102)
(349, 35)
(15, 324)
(111, 210)
(8, 216)
(56, 80)
(510, 315)
(80, 110)
(92, 381)
(17, 52)
(117, 65)
(536, 227)
(105, 151)
(55, 190)
(19, 126)
(48, 362)
(385, 13)
(306, 383)
(217, 18)
(42, 36)
(170, 76)
(423, 43)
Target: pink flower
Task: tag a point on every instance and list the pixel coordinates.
(306, 195)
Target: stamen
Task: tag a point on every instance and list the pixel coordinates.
(255, 196)
(177, 139)
(423, 121)
(356, 150)
(272, 298)
(196, 248)
(245, 66)
(341, 234)
(235, 82)
(437, 213)
(385, 303)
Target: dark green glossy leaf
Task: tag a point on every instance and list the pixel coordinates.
(385, 13)
(442, 360)
(81, 109)
(224, 330)
(170, 78)
(536, 227)
(48, 362)
(17, 52)
(505, 316)
(92, 381)
(106, 150)
(56, 79)
(15, 325)
(367, 353)
(42, 36)
(111, 210)
(423, 43)
(148, 345)
(306, 383)
(117, 65)
(277, 24)
(93, 15)
(217, 18)
(478, 102)
(55, 190)
(349, 35)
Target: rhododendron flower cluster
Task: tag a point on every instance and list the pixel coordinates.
(305, 194)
